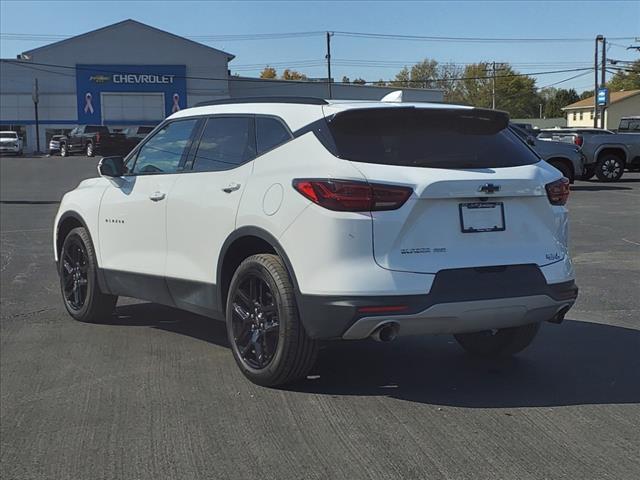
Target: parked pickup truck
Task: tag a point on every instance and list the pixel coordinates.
(608, 155)
(10, 142)
(565, 157)
(92, 140)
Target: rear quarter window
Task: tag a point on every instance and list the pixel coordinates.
(433, 138)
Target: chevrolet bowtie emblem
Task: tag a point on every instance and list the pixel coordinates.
(489, 188)
(99, 78)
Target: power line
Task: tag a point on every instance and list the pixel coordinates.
(246, 79)
(286, 35)
(466, 39)
(566, 79)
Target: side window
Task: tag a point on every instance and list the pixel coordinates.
(270, 133)
(226, 142)
(164, 151)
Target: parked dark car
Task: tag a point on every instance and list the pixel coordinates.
(54, 144)
(134, 135)
(565, 157)
(92, 140)
(629, 124)
(570, 135)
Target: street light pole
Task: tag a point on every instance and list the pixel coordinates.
(35, 97)
(595, 90)
(493, 86)
(603, 80)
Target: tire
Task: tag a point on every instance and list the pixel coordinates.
(63, 151)
(589, 172)
(77, 269)
(89, 150)
(564, 169)
(500, 343)
(609, 168)
(269, 344)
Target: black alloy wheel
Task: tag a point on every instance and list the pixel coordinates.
(77, 267)
(268, 340)
(75, 274)
(255, 322)
(610, 168)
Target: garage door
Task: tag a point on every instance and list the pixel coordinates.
(132, 107)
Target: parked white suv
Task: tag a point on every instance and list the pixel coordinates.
(10, 142)
(298, 220)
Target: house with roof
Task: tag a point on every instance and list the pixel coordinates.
(621, 104)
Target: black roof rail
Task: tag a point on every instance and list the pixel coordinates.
(301, 100)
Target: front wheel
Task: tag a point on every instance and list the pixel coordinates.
(267, 339)
(79, 281)
(64, 152)
(89, 149)
(589, 172)
(609, 168)
(502, 342)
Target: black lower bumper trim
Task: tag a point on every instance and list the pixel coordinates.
(328, 317)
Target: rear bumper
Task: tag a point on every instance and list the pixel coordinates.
(464, 317)
(460, 300)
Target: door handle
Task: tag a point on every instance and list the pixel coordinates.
(157, 196)
(232, 187)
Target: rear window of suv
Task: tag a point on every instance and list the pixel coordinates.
(434, 138)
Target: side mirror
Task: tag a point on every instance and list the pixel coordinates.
(111, 167)
(531, 141)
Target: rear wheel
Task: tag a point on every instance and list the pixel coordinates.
(609, 168)
(267, 339)
(502, 342)
(79, 282)
(564, 169)
(89, 149)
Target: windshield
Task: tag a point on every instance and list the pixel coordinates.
(8, 135)
(435, 138)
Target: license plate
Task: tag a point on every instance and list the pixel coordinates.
(482, 217)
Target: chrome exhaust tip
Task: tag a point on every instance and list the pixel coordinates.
(387, 332)
(559, 317)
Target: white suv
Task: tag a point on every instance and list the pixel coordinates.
(298, 220)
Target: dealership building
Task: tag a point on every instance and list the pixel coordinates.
(129, 74)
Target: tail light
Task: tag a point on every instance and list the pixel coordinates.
(97, 137)
(578, 140)
(352, 196)
(558, 191)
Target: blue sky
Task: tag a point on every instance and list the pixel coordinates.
(306, 54)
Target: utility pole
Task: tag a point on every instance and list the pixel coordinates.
(493, 86)
(603, 80)
(595, 90)
(35, 96)
(328, 57)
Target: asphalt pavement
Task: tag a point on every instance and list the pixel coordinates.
(156, 394)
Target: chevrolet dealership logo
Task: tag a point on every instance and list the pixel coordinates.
(99, 79)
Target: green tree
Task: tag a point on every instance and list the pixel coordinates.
(421, 75)
(627, 78)
(345, 79)
(268, 72)
(359, 81)
(586, 94)
(555, 99)
(515, 93)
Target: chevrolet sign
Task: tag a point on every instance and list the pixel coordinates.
(142, 78)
